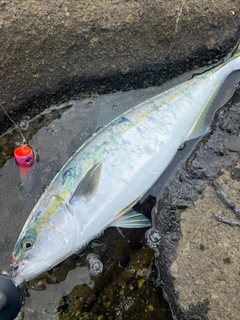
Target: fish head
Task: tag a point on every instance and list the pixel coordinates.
(46, 239)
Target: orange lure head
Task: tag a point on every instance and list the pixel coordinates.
(24, 156)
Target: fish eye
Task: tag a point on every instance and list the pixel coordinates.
(28, 240)
(27, 244)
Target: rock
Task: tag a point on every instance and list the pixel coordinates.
(199, 256)
(206, 270)
(73, 48)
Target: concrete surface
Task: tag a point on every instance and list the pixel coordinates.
(55, 48)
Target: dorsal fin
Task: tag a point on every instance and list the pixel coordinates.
(108, 113)
(88, 185)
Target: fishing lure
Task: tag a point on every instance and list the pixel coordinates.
(24, 157)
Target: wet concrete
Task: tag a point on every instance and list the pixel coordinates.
(198, 256)
(70, 48)
(70, 290)
(125, 289)
(195, 252)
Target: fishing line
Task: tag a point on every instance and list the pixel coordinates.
(24, 154)
(24, 140)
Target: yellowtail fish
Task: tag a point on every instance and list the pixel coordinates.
(101, 182)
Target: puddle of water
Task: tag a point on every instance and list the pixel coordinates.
(56, 135)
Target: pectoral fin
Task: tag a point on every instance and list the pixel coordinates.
(88, 185)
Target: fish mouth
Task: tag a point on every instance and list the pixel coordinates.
(15, 267)
(24, 269)
(12, 261)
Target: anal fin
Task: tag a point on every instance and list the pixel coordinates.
(198, 131)
(132, 219)
(127, 208)
(129, 218)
